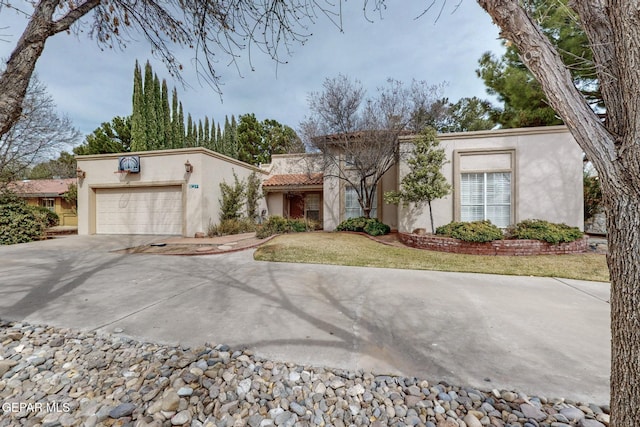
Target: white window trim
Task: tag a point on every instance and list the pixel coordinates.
(457, 173)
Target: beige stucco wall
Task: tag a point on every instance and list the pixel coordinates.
(200, 189)
(547, 174)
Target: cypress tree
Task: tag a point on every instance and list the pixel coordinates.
(190, 139)
(234, 151)
(201, 141)
(181, 133)
(150, 108)
(219, 141)
(175, 124)
(157, 101)
(206, 140)
(226, 138)
(138, 124)
(166, 117)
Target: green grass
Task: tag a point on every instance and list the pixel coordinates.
(355, 250)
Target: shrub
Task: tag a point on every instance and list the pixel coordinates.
(476, 231)
(371, 226)
(232, 201)
(376, 228)
(231, 226)
(538, 229)
(49, 218)
(18, 222)
(279, 225)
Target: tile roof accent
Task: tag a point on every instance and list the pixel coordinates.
(293, 179)
(42, 187)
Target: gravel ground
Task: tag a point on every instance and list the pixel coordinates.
(60, 377)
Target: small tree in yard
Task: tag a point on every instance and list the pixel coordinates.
(253, 195)
(232, 200)
(425, 182)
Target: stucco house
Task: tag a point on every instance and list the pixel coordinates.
(502, 175)
(173, 192)
(48, 193)
(505, 176)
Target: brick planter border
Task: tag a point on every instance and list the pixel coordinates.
(514, 247)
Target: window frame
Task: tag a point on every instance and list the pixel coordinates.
(45, 201)
(374, 210)
(458, 171)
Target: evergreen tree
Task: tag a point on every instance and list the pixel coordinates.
(524, 102)
(225, 146)
(190, 137)
(166, 117)
(175, 124)
(201, 142)
(206, 139)
(157, 100)
(111, 137)
(150, 108)
(425, 181)
(181, 133)
(219, 140)
(138, 123)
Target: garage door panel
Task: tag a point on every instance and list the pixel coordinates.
(142, 210)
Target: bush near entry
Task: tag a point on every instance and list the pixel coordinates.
(19, 223)
(533, 229)
(371, 226)
(475, 231)
(549, 232)
(279, 225)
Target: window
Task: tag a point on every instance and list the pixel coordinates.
(486, 195)
(312, 206)
(49, 204)
(353, 208)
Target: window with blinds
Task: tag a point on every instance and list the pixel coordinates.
(486, 195)
(352, 208)
(312, 206)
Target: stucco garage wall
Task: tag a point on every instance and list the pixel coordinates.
(546, 172)
(166, 168)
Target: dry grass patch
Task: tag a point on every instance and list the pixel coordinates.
(355, 250)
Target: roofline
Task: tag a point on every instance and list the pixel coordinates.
(173, 151)
(538, 130)
(308, 187)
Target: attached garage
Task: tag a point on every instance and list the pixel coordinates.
(139, 210)
(163, 192)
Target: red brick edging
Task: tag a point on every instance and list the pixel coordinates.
(512, 247)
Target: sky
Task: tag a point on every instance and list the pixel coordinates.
(92, 86)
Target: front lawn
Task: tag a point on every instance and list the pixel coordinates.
(356, 250)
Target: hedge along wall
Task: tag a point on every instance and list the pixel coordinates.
(497, 247)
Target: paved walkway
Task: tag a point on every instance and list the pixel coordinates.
(535, 335)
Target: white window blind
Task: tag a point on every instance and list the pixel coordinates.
(486, 195)
(353, 208)
(312, 206)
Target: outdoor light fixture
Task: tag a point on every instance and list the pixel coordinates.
(80, 173)
(188, 167)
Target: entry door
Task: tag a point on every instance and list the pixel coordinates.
(296, 206)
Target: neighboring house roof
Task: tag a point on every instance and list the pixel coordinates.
(42, 187)
(294, 180)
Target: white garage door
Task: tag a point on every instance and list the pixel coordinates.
(142, 210)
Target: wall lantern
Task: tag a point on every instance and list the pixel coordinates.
(80, 173)
(188, 167)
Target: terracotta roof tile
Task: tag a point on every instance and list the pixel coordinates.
(48, 187)
(293, 179)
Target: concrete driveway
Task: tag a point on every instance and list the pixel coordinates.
(541, 336)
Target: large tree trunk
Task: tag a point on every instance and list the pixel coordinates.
(614, 149)
(623, 217)
(14, 79)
